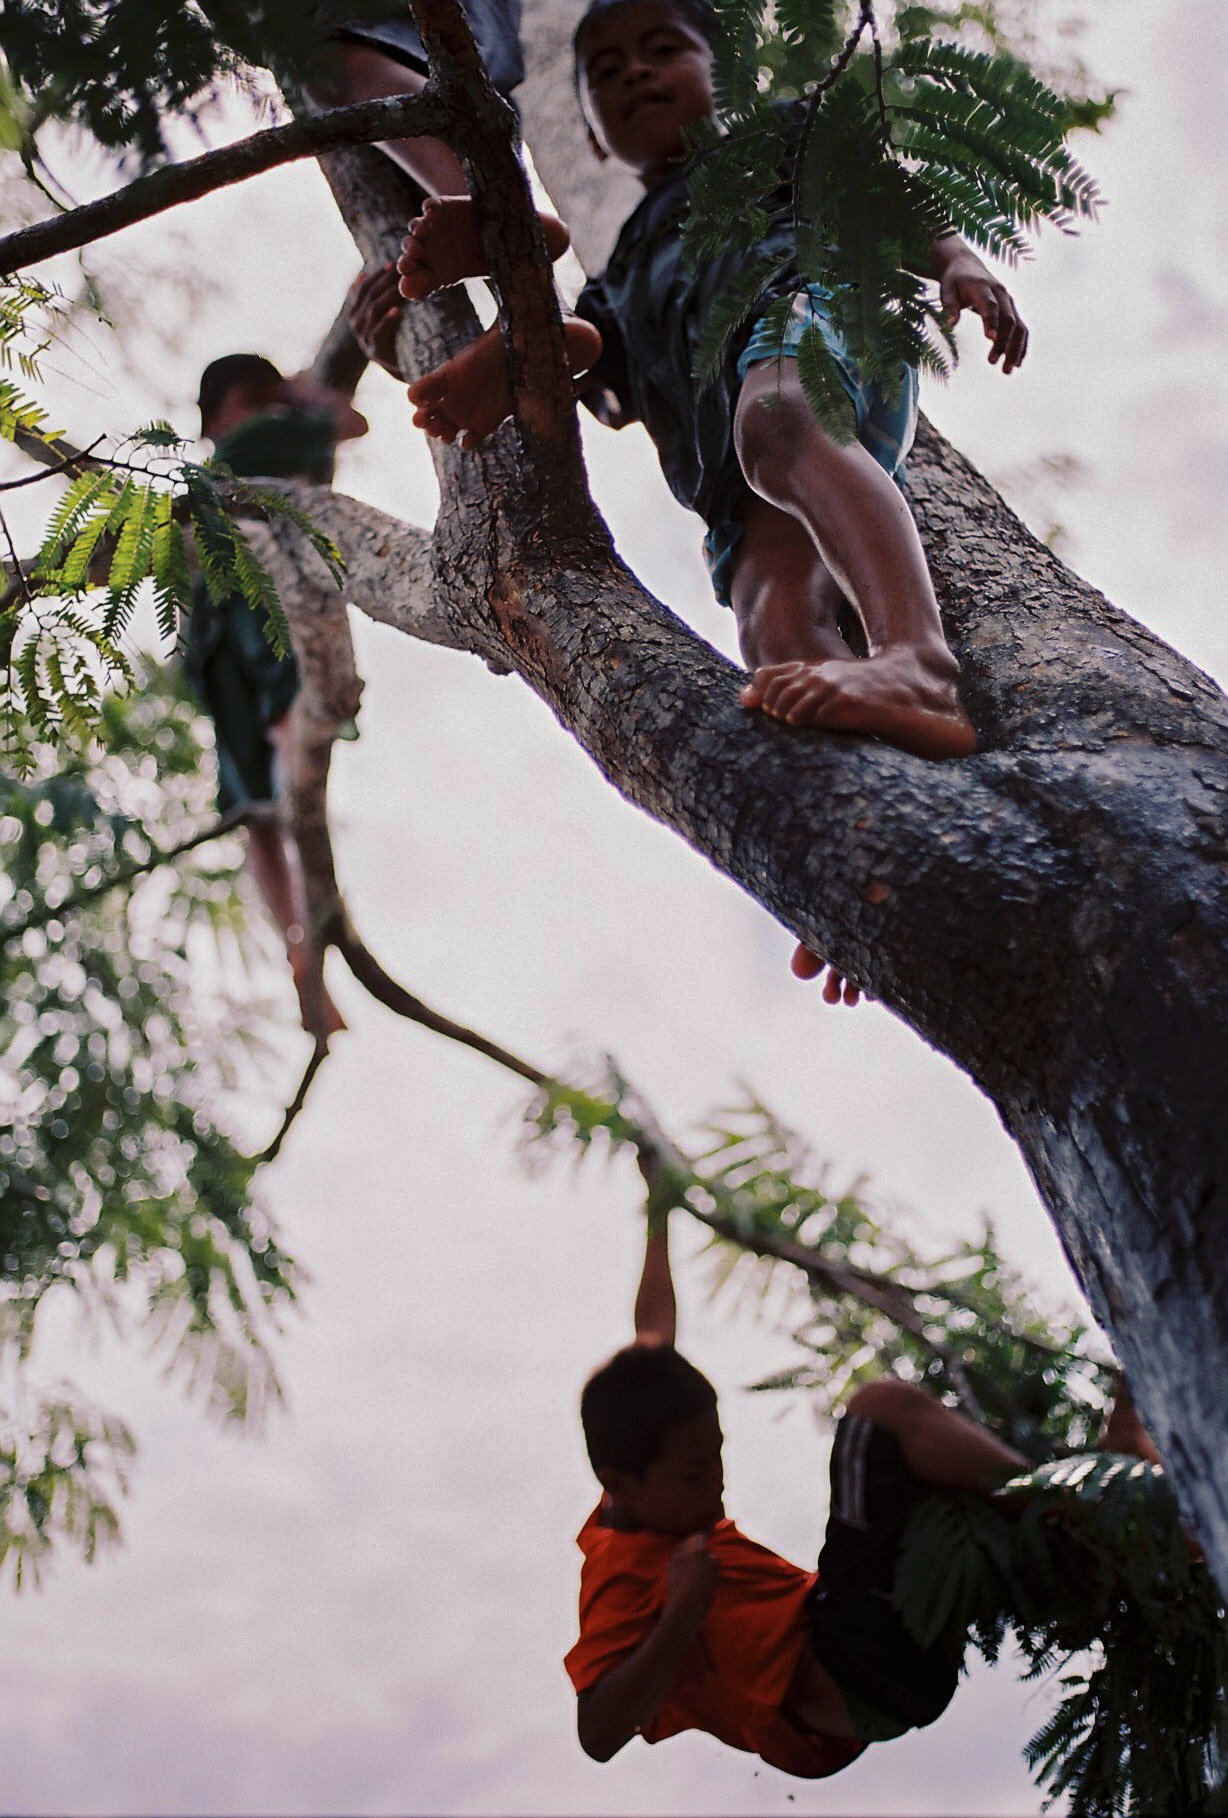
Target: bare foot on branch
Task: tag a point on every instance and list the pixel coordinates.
(471, 394)
(898, 695)
(443, 246)
(837, 989)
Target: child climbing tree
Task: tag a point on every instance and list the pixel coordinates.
(1066, 964)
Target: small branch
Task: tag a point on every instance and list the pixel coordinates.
(196, 177)
(370, 974)
(225, 823)
(865, 16)
(296, 1104)
(543, 395)
(73, 459)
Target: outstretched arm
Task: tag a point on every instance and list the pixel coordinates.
(656, 1308)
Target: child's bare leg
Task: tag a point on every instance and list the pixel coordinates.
(943, 1447)
(359, 72)
(471, 394)
(905, 690)
(269, 865)
(272, 859)
(442, 246)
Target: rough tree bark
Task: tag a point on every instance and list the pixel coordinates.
(1051, 914)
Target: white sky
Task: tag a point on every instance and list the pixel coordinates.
(364, 1610)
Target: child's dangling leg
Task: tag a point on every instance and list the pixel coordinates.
(361, 72)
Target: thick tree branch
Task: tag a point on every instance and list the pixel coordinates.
(196, 177)
(1051, 913)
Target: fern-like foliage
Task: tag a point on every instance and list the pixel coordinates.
(1086, 1562)
(120, 1187)
(881, 151)
(137, 515)
(963, 1322)
(62, 1470)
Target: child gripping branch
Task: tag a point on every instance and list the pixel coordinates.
(686, 1623)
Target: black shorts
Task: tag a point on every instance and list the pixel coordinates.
(855, 1628)
(495, 25)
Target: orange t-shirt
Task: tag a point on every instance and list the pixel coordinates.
(736, 1674)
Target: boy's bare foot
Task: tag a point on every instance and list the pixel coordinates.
(896, 695)
(471, 394)
(836, 988)
(442, 246)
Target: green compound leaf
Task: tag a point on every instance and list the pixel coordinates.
(825, 392)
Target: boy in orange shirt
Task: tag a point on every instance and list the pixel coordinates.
(685, 1623)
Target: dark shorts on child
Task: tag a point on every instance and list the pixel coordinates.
(495, 25)
(245, 687)
(890, 1681)
(884, 417)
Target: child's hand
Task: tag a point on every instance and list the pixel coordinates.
(690, 1577)
(967, 284)
(375, 316)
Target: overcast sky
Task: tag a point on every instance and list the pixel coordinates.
(364, 1610)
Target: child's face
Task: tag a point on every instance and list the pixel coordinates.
(240, 403)
(645, 75)
(682, 1491)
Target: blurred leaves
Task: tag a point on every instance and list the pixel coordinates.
(118, 1184)
(1092, 1575)
(138, 514)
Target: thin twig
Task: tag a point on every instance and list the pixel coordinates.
(370, 974)
(296, 1104)
(72, 459)
(839, 65)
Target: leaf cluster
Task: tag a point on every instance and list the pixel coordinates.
(63, 1466)
(1088, 1565)
(120, 68)
(118, 1182)
(140, 514)
(963, 1322)
(885, 151)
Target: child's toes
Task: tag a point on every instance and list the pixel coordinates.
(430, 390)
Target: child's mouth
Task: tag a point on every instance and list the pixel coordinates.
(643, 100)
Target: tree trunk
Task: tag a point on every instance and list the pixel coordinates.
(1051, 913)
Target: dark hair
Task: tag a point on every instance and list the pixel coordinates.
(630, 1404)
(696, 12)
(221, 376)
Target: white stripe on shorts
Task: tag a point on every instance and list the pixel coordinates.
(849, 1478)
